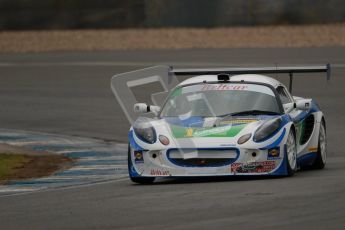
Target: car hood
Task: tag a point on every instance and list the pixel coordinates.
(212, 127)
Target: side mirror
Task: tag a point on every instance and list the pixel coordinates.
(303, 104)
(144, 108)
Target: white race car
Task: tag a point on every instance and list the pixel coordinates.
(228, 122)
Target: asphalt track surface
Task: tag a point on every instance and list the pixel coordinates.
(69, 93)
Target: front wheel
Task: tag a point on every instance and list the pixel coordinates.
(291, 154)
(139, 180)
(321, 157)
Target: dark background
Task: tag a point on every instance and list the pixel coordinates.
(80, 14)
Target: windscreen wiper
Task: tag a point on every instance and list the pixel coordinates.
(251, 112)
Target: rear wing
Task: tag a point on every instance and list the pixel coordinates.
(259, 70)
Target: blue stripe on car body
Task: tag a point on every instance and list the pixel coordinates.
(134, 145)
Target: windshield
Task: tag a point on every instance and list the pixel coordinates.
(208, 100)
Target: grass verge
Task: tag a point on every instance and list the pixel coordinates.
(21, 166)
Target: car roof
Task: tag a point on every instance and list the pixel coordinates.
(241, 77)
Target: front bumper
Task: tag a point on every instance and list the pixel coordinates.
(207, 162)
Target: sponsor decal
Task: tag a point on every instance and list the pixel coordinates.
(224, 87)
(312, 149)
(234, 87)
(209, 132)
(253, 167)
(138, 157)
(238, 121)
(189, 132)
(273, 154)
(159, 172)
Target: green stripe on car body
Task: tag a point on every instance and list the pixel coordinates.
(221, 131)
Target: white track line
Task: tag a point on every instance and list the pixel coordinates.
(112, 158)
(97, 167)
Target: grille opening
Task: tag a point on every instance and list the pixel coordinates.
(307, 129)
(202, 162)
(202, 157)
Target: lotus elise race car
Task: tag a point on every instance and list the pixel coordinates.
(228, 122)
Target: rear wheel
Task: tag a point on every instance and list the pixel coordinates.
(291, 153)
(139, 180)
(321, 158)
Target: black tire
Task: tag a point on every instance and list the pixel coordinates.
(290, 169)
(138, 180)
(319, 162)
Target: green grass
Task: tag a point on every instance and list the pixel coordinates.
(9, 163)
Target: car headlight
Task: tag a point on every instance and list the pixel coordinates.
(146, 134)
(267, 129)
